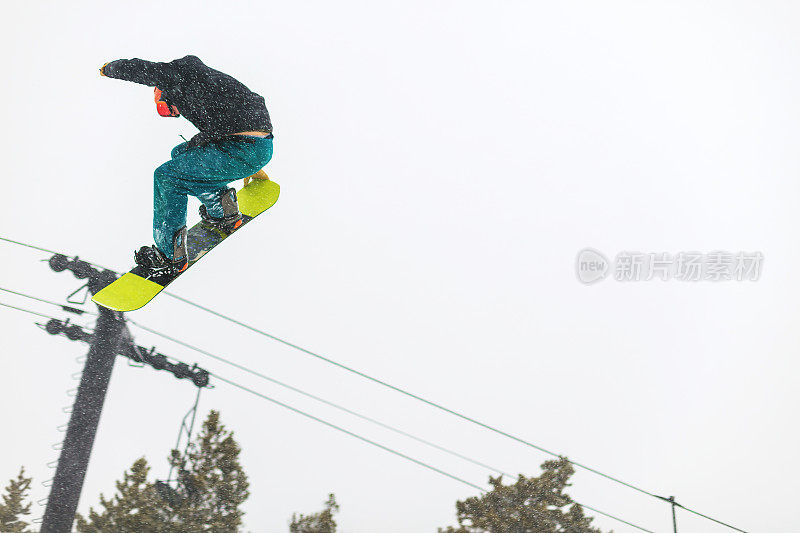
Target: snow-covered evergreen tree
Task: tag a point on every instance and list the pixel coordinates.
(212, 486)
(14, 509)
(531, 504)
(321, 522)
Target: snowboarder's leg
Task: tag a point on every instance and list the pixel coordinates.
(154, 265)
(203, 172)
(169, 209)
(237, 160)
(226, 216)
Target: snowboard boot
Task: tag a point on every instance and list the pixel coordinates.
(154, 265)
(231, 217)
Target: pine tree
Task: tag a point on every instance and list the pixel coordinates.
(136, 506)
(531, 505)
(14, 509)
(213, 482)
(212, 486)
(321, 522)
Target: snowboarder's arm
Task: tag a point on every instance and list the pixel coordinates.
(141, 71)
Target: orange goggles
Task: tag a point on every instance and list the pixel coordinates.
(164, 109)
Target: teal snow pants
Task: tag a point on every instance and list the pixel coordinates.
(203, 172)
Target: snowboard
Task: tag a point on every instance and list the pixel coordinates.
(132, 291)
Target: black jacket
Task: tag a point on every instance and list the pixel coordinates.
(215, 102)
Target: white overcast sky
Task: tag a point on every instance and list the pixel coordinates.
(441, 164)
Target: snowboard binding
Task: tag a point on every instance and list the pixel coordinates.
(231, 217)
(154, 265)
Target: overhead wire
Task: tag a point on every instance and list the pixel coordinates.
(281, 384)
(317, 419)
(708, 517)
(68, 308)
(404, 392)
(354, 413)
(34, 247)
(618, 519)
(29, 311)
(393, 451)
(272, 380)
(319, 399)
(26, 245)
(436, 405)
(339, 428)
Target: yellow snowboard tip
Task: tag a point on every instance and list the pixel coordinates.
(128, 293)
(258, 196)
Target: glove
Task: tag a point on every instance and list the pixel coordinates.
(260, 175)
(101, 70)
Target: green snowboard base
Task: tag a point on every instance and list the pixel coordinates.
(131, 291)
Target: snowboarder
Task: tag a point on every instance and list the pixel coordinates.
(234, 142)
